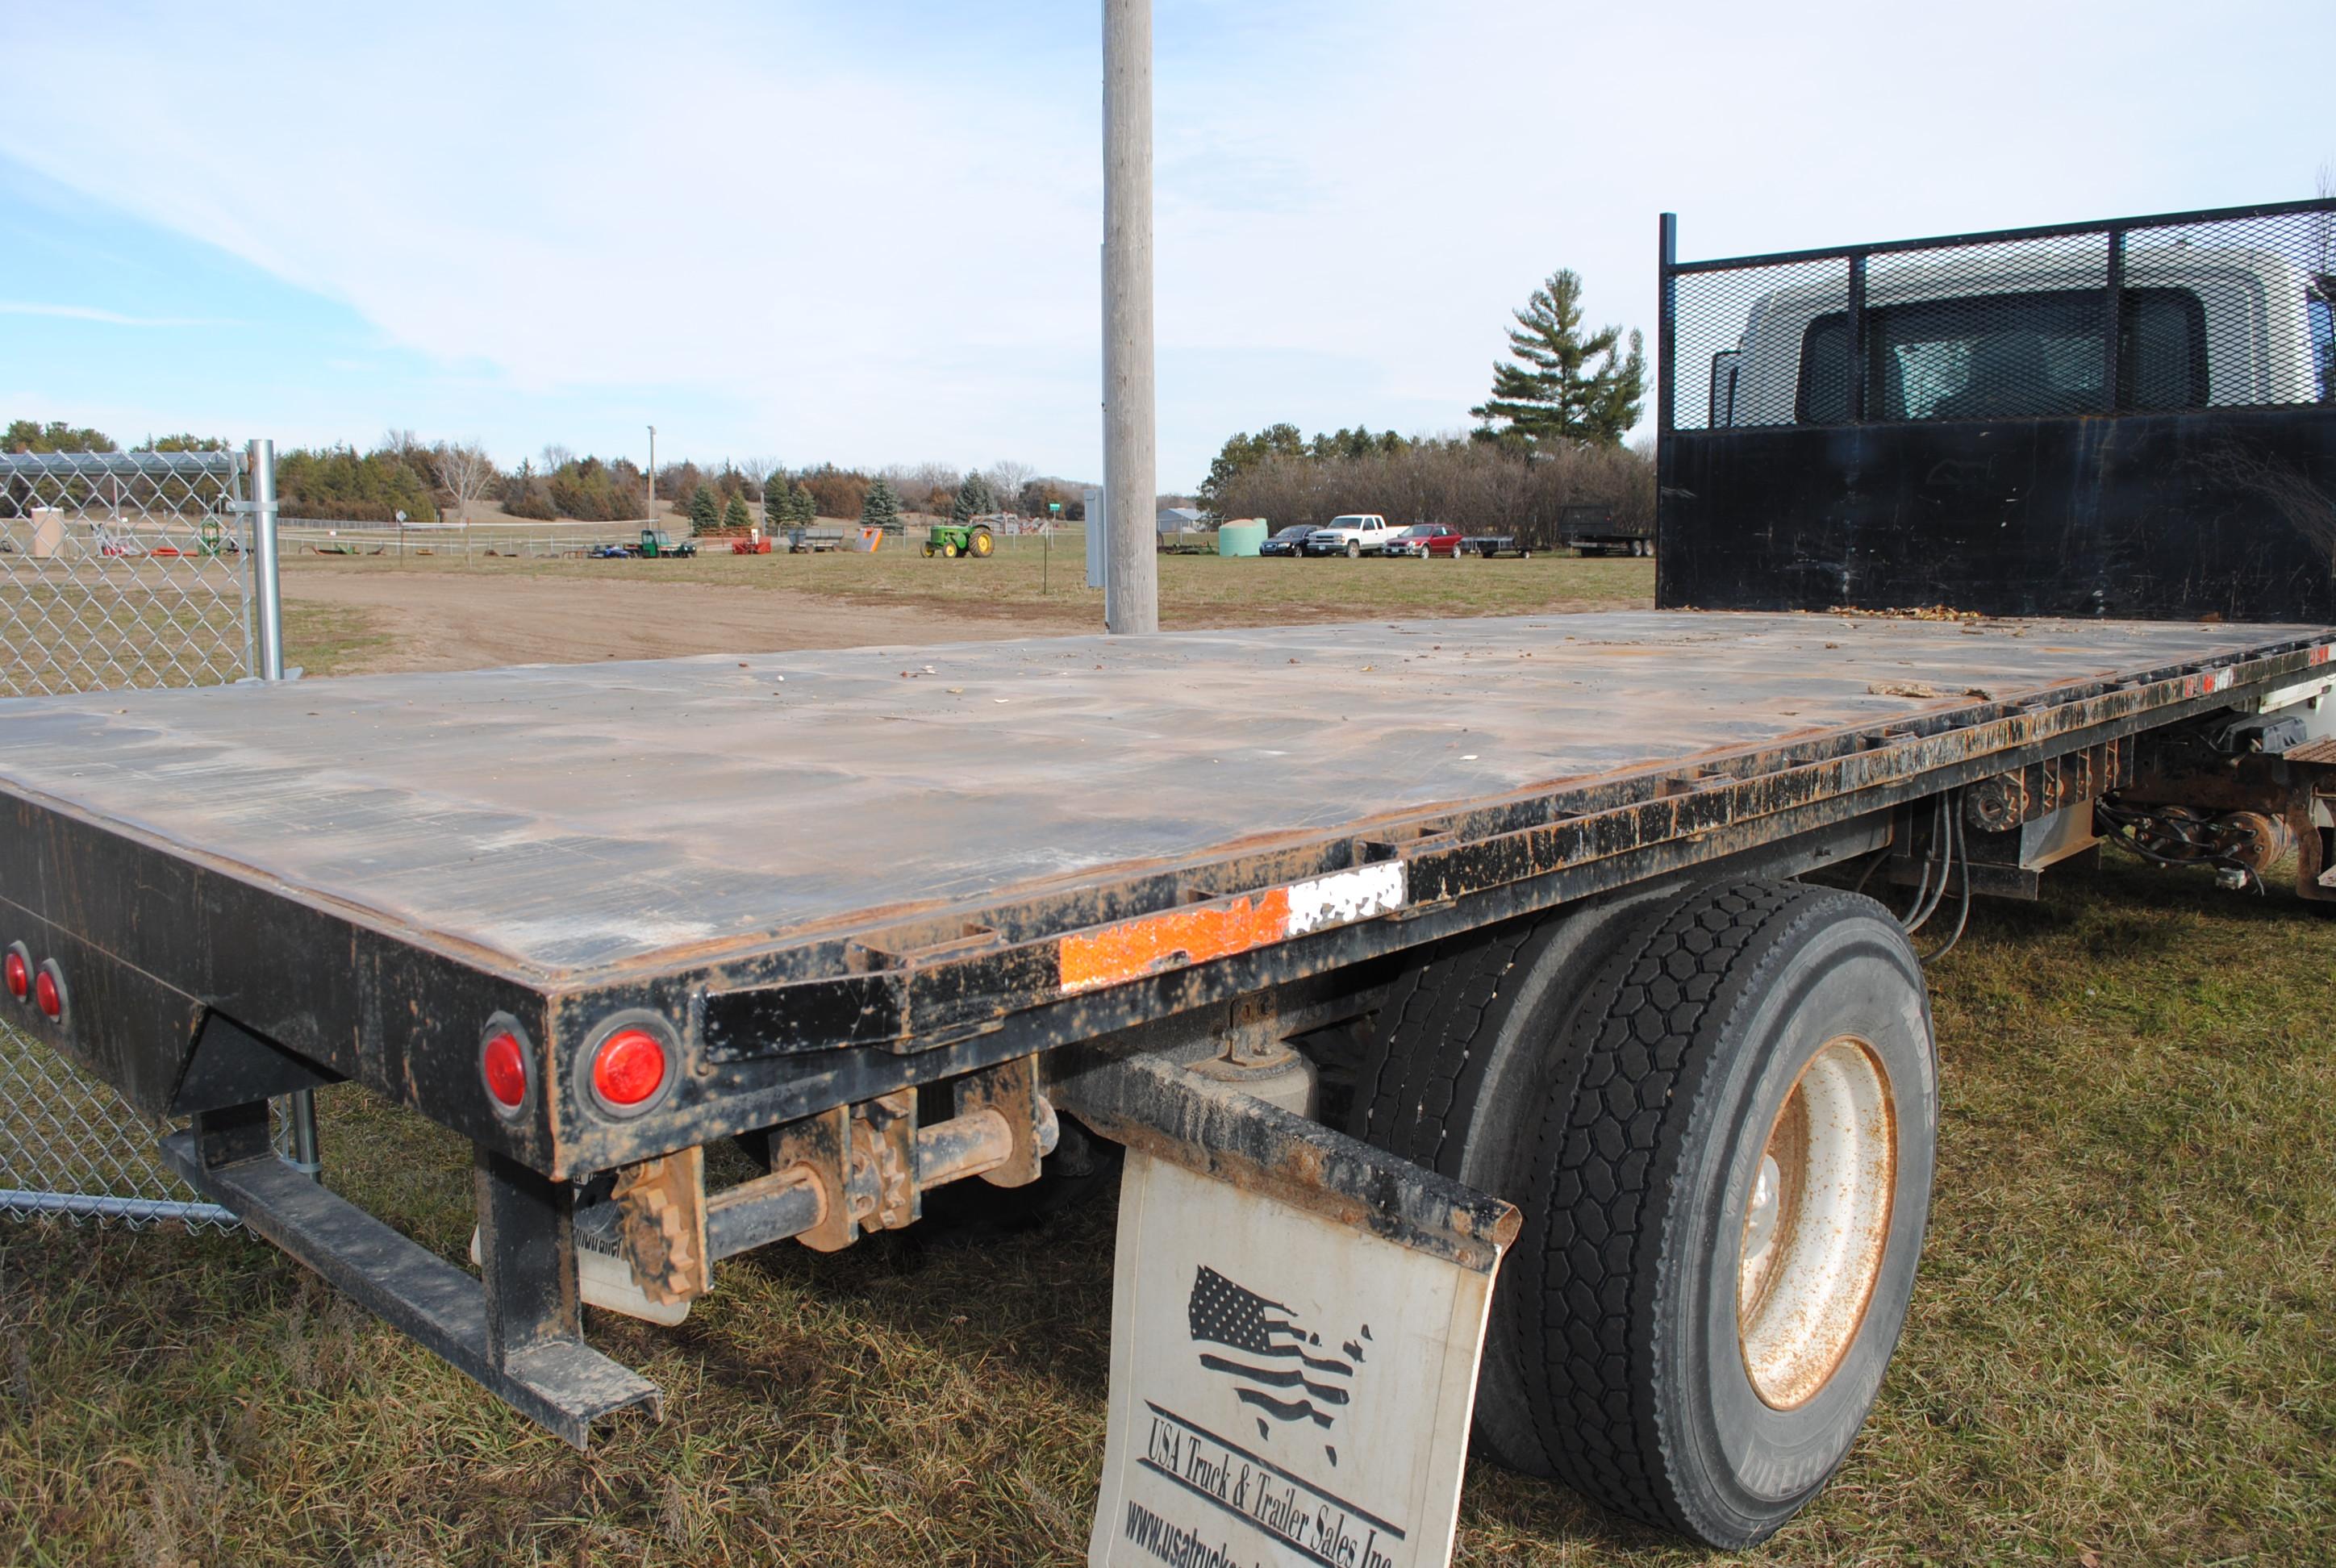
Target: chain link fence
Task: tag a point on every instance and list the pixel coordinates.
(2231, 309)
(117, 571)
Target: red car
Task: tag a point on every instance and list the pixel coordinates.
(1427, 539)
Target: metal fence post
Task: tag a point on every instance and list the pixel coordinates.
(303, 1105)
(263, 544)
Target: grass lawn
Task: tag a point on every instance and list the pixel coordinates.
(321, 640)
(2123, 1342)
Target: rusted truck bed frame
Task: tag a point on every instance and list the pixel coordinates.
(839, 874)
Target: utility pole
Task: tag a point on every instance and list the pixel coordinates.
(259, 463)
(652, 476)
(1129, 459)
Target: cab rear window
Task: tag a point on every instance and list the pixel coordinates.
(2003, 355)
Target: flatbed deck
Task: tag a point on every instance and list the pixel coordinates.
(567, 818)
(896, 848)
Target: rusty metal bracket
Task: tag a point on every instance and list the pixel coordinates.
(661, 1220)
(2010, 800)
(1150, 1103)
(866, 1166)
(1010, 1092)
(821, 1146)
(884, 1162)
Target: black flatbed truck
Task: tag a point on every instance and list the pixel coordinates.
(1541, 882)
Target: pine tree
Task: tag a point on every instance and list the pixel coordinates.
(705, 511)
(734, 516)
(778, 504)
(799, 509)
(1555, 393)
(973, 499)
(883, 507)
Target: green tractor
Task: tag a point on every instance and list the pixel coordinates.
(952, 539)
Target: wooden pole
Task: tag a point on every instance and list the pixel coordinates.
(1132, 571)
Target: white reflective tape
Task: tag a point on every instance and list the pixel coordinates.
(1345, 897)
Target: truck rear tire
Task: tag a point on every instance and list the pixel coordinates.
(1725, 1198)
(1461, 1044)
(1626, 1074)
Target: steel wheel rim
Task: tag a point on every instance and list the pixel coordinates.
(1816, 1223)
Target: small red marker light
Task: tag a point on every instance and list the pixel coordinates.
(45, 992)
(504, 1063)
(20, 976)
(630, 1068)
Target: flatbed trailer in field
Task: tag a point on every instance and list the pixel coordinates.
(820, 879)
(1388, 950)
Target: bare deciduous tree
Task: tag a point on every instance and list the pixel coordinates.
(466, 470)
(1007, 478)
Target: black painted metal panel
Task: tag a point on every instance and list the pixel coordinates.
(2216, 513)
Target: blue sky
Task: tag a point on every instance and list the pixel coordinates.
(867, 232)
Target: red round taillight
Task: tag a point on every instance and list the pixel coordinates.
(502, 1063)
(48, 994)
(629, 1070)
(20, 976)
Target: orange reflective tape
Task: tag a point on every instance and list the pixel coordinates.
(1171, 940)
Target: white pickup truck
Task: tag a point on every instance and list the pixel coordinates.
(1357, 533)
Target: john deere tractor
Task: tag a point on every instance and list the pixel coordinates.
(956, 539)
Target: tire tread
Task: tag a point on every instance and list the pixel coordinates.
(1608, 1146)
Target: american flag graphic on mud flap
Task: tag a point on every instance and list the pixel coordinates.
(1282, 1371)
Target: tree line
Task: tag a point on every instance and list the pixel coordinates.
(1548, 438)
(1480, 487)
(433, 481)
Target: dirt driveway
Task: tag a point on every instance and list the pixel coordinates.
(365, 623)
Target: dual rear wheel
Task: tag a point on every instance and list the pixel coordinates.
(1717, 1111)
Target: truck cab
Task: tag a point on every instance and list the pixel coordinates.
(2124, 419)
(1352, 534)
(1971, 338)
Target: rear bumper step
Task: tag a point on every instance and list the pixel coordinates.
(560, 1383)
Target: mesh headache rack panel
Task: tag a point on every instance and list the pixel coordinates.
(2212, 310)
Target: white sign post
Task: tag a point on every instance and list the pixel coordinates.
(1286, 1390)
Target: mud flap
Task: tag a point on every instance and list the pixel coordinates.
(1296, 1323)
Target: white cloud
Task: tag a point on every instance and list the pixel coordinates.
(106, 317)
(880, 247)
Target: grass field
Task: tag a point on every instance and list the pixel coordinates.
(2122, 1348)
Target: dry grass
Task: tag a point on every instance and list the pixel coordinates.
(1047, 583)
(325, 639)
(2121, 1342)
